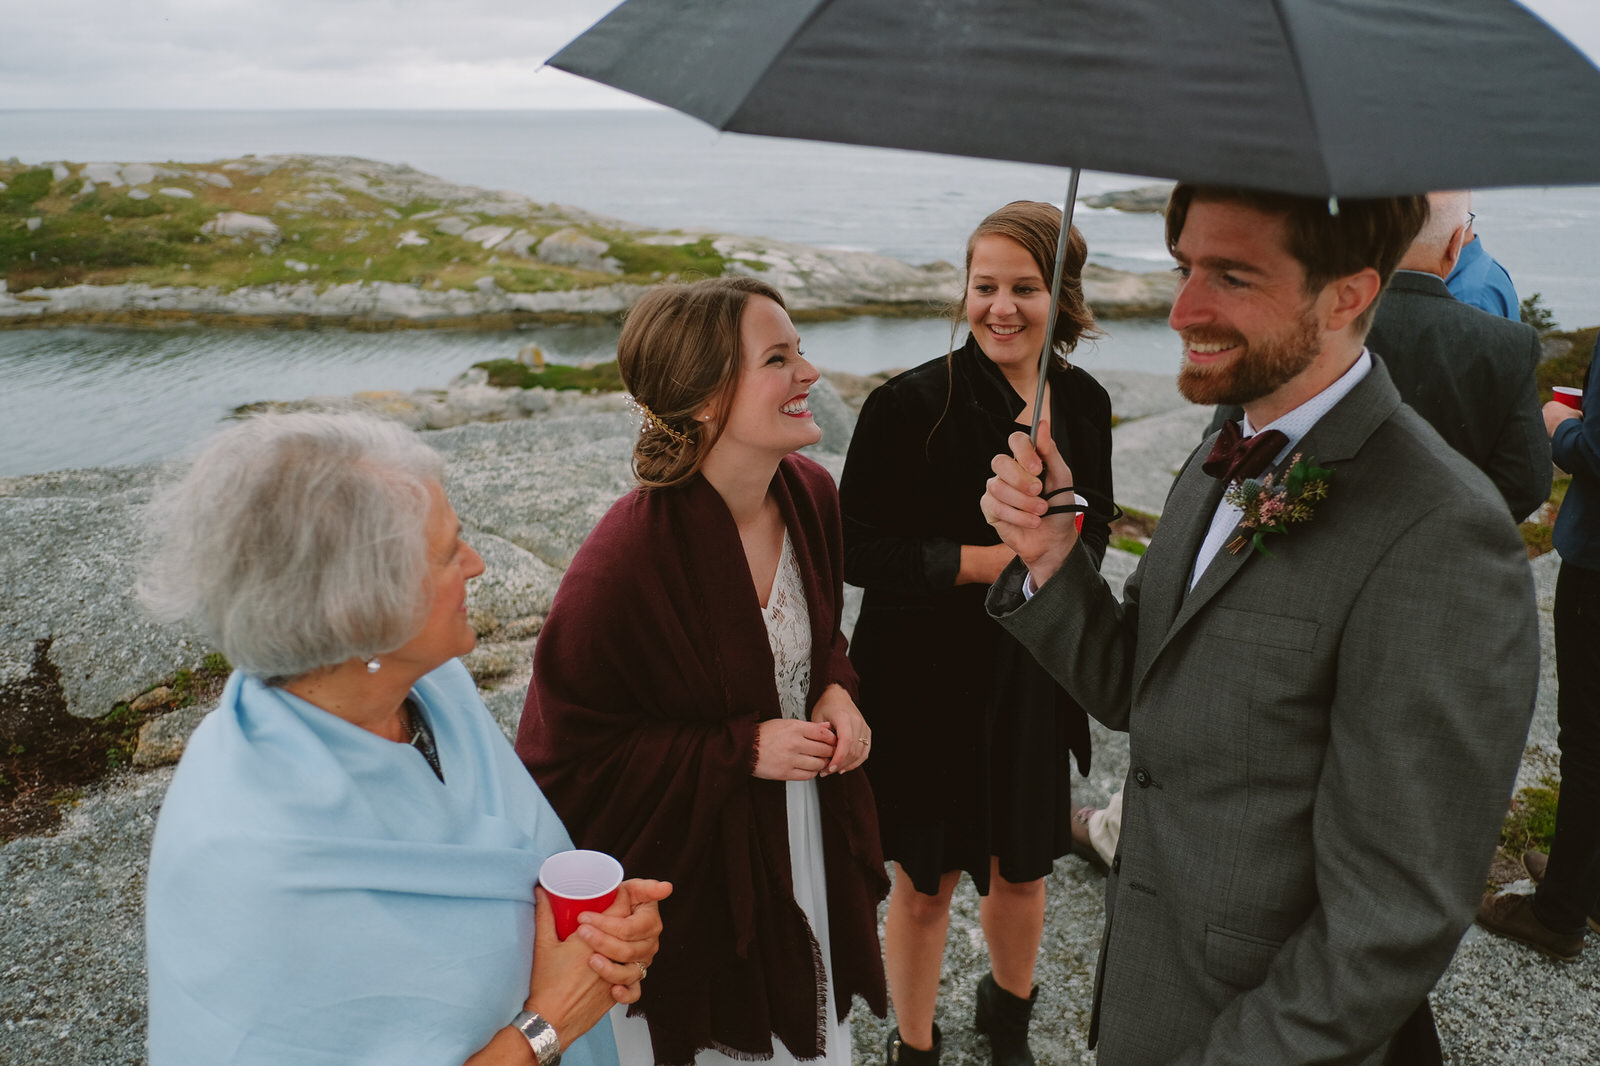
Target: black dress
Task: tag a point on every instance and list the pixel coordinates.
(970, 735)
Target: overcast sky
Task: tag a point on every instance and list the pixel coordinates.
(342, 53)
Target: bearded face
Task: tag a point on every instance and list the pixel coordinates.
(1260, 366)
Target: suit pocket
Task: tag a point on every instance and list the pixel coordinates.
(1238, 959)
(1266, 630)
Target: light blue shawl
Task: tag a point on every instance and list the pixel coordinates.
(317, 896)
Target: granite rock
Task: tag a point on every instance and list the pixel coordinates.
(572, 247)
(71, 947)
(71, 635)
(139, 173)
(162, 740)
(240, 224)
(1146, 199)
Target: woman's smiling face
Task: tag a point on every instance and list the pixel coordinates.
(769, 412)
(1008, 302)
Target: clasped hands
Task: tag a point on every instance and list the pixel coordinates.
(574, 982)
(835, 741)
(1014, 504)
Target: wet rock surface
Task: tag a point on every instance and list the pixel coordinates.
(528, 490)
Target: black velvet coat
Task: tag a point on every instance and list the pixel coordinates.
(970, 735)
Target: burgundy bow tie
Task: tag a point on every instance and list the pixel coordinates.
(1237, 456)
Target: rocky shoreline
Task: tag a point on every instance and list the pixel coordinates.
(530, 472)
(299, 241)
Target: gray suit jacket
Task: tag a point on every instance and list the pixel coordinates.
(1322, 742)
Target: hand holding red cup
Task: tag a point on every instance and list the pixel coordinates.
(576, 882)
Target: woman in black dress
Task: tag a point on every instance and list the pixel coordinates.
(971, 737)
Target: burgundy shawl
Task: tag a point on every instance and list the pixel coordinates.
(649, 680)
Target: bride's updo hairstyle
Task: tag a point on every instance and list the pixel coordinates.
(678, 353)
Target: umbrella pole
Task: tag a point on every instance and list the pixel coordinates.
(1055, 300)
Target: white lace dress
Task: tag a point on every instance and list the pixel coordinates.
(789, 636)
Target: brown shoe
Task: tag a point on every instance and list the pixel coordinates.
(1536, 862)
(1082, 846)
(1512, 916)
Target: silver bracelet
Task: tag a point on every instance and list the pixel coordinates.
(541, 1037)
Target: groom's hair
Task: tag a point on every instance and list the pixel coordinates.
(1330, 239)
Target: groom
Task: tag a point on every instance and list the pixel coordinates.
(1316, 680)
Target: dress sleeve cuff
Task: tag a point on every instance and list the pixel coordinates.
(941, 562)
(1564, 441)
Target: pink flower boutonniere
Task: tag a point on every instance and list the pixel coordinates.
(1272, 507)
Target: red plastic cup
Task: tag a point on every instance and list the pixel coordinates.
(579, 881)
(1573, 398)
(1077, 519)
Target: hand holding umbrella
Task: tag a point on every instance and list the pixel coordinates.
(1016, 503)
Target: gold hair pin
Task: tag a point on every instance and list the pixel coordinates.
(650, 418)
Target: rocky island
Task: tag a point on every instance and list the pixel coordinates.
(301, 240)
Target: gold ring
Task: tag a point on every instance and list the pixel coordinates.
(643, 973)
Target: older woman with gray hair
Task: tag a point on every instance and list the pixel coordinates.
(344, 867)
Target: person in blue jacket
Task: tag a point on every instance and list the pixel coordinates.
(1553, 918)
(1478, 279)
(343, 872)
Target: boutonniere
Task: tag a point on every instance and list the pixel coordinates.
(1272, 506)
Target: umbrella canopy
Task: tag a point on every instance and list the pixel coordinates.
(1342, 98)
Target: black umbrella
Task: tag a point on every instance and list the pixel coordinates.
(1327, 98)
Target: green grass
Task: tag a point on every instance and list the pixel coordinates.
(1540, 536)
(1570, 369)
(24, 190)
(1532, 821)
(510, 374)
(685, 260)
(1129, 544)
(109, 237)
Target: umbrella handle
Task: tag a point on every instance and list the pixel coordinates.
(1067, 210)
(1097, 503)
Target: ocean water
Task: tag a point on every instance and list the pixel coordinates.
(77, 397)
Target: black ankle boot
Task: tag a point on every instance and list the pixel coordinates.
(903, 1054)
(1004, 1018)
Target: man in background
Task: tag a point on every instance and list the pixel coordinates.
(1477, 279)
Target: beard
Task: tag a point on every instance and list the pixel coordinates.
(1261, 367)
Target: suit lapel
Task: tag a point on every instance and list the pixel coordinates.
(1184, 522)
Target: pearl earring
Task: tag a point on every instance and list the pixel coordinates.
(373, 665)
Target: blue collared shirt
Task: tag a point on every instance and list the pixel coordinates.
(1480, 281)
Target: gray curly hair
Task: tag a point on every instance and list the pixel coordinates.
(296, 541)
